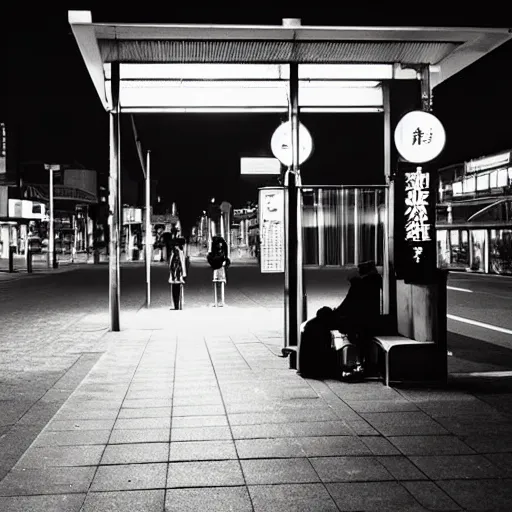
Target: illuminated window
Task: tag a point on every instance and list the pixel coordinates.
(469, 185)
(457, 188)
(502, 178)
(482, 182)
(493, 179)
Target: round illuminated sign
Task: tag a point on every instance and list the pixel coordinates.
(419, 137)
(281, 144)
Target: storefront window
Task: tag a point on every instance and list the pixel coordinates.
(443, 249)
(500, 251)
(478, 250)
(459, 255)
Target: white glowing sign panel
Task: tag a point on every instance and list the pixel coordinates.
(488, 162)
(281, 144)
(417, 221)
(271, 213)
(419, 137)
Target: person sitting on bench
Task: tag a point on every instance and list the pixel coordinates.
(358, 314)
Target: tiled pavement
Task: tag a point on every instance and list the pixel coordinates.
(193, 410)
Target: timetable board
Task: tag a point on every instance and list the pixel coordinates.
(271, 220)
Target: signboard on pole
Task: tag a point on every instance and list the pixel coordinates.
(281, 144)
(419, 137)
(415, 249)
(271, 221)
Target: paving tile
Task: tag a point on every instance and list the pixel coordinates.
(148, 412)
(373, 496)
(72, 438)
(501, 460)
(485, 443)
(443, 467)
(291, 498)
(404, 423)
(137, 403)
(213, 499)
(219, 473)
(319, 428)
(75, 425)
(55, 456)
(379, 445)
(268, 448)
(469, 426)
(129, 477)
(382, 405)
(149, 394)
(54, 503)
(401, 468)
(199, 410)
(430, 445)
(153, 435)
(47, 481)
(431, 496)
(123, 501)
(200, 433)
(332, 446)
(202, 450)
(142, 423)
(135, 453)
(262, 431)
(197, 400)
(278, 471)
(362, 428)
(199, 421)
(348, 469)
(495, 495)
(89, 414)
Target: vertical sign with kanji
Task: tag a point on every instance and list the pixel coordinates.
(271, 221)
(415, 224)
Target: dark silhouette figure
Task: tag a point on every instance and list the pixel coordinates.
(358, 316)
(219, 262)
(177, 271)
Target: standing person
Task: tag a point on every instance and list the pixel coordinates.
(219, 262)
(177, 272)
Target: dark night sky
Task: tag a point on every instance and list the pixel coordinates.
(53, 107)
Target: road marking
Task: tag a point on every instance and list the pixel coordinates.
(479, 324)
(504, 373)
(459, 289)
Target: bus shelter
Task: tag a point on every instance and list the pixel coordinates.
(290, 68)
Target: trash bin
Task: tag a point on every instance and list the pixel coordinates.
(96, 256)
(135, 254)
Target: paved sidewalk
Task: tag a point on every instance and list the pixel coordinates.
(193, 410)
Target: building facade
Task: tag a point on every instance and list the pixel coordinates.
(474, 215)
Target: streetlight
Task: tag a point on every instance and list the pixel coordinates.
(52, 260)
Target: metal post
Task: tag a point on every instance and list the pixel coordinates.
(356, 226)
(148, 231)
(113, 261)
(51, 238)
(293, 277)
(320, 226)
(389, 285)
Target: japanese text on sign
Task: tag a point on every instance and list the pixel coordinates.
(417, 222)
(271, 207)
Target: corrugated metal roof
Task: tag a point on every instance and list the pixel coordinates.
(302, 52)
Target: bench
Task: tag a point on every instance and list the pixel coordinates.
(386, 343)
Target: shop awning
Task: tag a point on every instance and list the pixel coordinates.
(233, 67)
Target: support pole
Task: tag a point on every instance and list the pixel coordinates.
(293, 276)
(148, 231)
(388, 269)
(113, 261)
(51, 238)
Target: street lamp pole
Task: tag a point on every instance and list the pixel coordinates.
(51, 237)
(148, 232)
